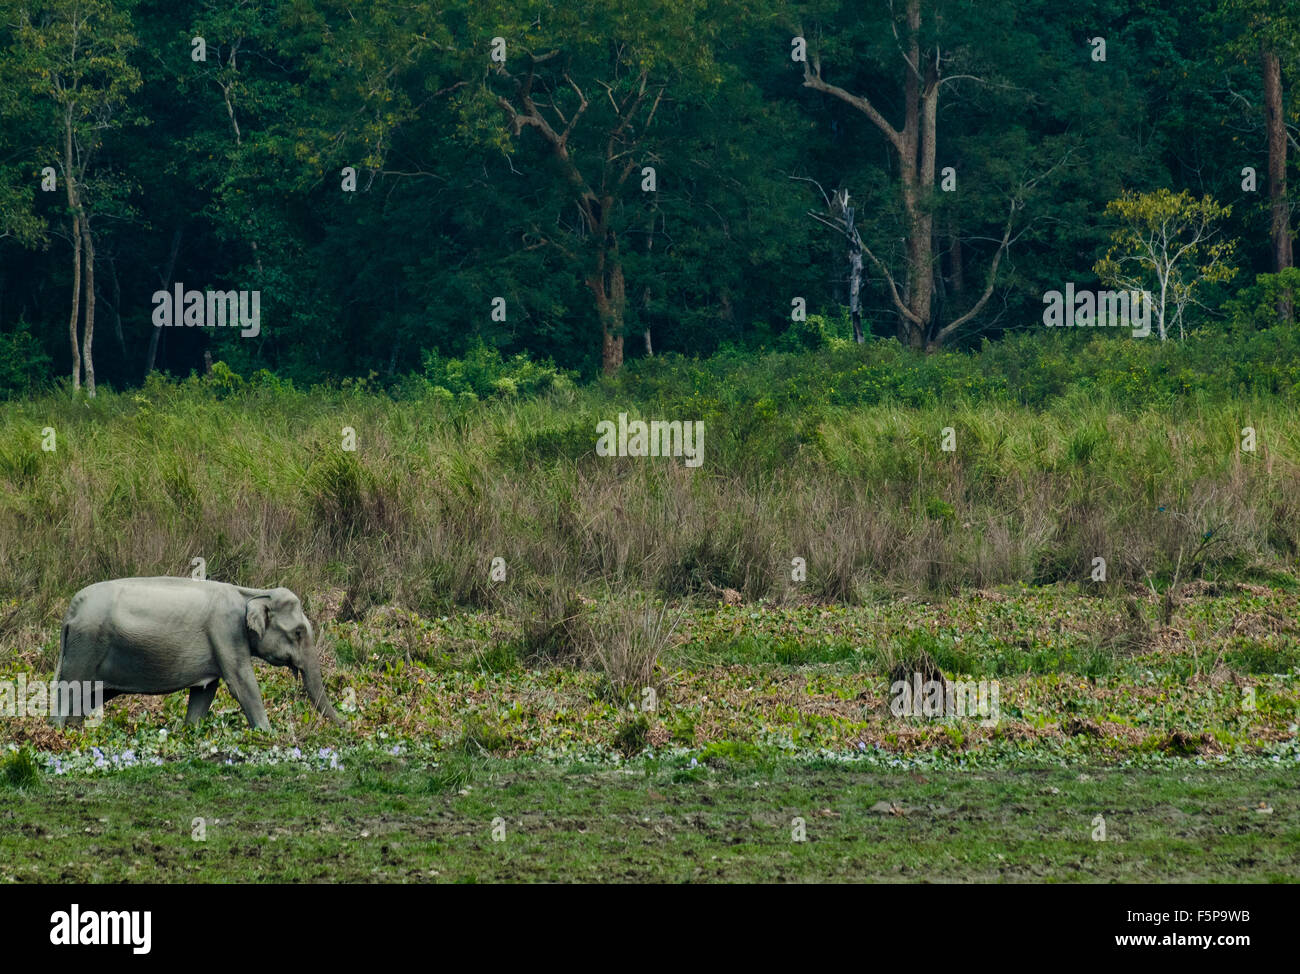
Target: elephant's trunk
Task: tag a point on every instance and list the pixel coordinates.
(315, 687)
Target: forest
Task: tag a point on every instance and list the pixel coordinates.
(395, 182)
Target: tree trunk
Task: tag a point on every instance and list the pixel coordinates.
(609, 289)
(917, 171)
(645, 307)
(116, 308)
(70, 185)
(152, 354)
(1281, 224)
(918, 293)
(76, 302)
(166, 280)
(611, 358)
(855, 294)
(88, 339)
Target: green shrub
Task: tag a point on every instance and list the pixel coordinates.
(23, 365)
(483, 374)
(807, 335)
(20, 769)
(478, 737)
(632, 737)
(1256, 306)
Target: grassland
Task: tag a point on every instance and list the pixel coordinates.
(650, 691)
(656, 821)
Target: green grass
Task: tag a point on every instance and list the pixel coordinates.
(20, 770)
(255, 480)
(652, 822)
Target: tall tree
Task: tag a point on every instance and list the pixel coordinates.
(916, 71)
(1170, 242)
(592, 84)
(73, 58)
(1269, 33)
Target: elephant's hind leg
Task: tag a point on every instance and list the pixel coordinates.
(200, 701)
(242, 684)
(70, 672)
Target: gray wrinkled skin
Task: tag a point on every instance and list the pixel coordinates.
(161, 635)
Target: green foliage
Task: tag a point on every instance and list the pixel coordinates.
(631, 737)
(479, 737)
(464, 194)
(484, 374)
(1256, 307)
(781, 393)
(223, 382)
(24, 366)
(810, 334)
(20, 770)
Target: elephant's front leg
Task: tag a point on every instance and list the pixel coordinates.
(243, 686)
(200, 701)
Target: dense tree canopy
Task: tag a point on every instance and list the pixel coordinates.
(605, 180)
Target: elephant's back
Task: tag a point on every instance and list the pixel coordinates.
(125, 600)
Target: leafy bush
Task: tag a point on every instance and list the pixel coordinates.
(807, 335)
(22, 363)
(1256, 306)
(223, 381)
(632, 738)
(1038, 368)
(484, 374)
(479, 737)
(20, 769)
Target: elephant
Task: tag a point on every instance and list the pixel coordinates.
(161, 635)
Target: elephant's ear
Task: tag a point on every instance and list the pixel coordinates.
(257, 615)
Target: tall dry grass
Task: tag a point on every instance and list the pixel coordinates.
(258, 485)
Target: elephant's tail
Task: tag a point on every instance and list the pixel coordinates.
(57, 717)
(63, 648)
